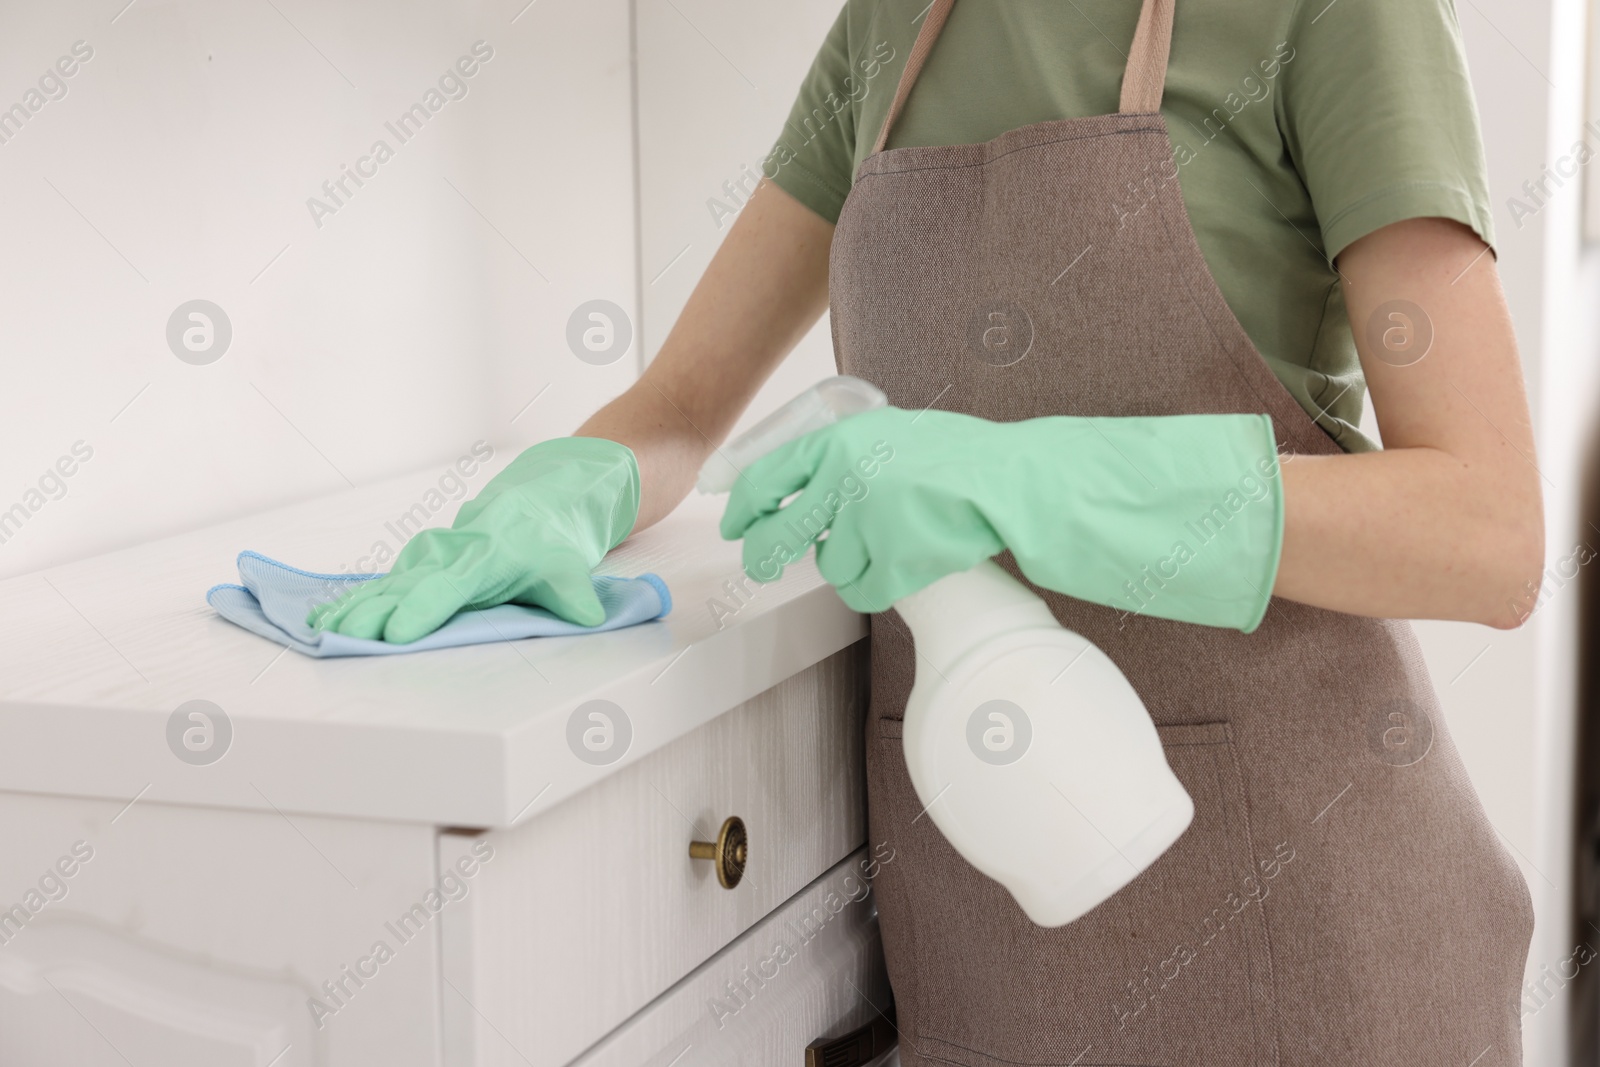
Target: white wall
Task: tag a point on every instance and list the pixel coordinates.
(410, 323)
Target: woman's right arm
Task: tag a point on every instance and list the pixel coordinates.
(763, 290)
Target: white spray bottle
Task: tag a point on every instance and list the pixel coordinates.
(1029, 749)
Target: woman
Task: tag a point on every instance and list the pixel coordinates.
(1111, 264)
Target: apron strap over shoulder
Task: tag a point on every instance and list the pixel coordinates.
(1146, 75)
(1142, 82)
(919, 55)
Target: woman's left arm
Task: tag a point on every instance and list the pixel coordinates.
(1447, 522)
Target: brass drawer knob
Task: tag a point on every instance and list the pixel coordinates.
(729, 851)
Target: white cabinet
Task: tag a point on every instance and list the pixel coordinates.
(592, 910)
(197, 935)
(809, 970)
(399, 860)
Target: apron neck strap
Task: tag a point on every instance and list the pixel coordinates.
(1142, 81)
(1146, 75)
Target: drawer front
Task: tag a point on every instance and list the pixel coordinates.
(593, 909)
(207, 937)
(813, 969)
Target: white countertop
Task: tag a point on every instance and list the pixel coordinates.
(96, 655)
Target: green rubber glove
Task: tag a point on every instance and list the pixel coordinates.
(1177, 516)
(530, 537)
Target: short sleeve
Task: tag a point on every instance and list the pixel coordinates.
(1379, 117)
(812, 158)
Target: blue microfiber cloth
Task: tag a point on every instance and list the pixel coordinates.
(275, 599)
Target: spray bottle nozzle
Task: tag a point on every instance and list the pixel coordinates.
(824, 404)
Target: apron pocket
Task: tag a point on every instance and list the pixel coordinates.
(1172, 971)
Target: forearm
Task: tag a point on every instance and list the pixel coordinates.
(667, 448)
(1408, 533)
(1448, 521)
(766, 286)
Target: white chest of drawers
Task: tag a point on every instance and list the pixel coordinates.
(401, 861)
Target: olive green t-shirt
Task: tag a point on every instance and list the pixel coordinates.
(1298, 128)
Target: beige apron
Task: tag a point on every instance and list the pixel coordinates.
(1340, 897)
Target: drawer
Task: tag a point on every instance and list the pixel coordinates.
(812, 969)
(202, 937)
(593, 909)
